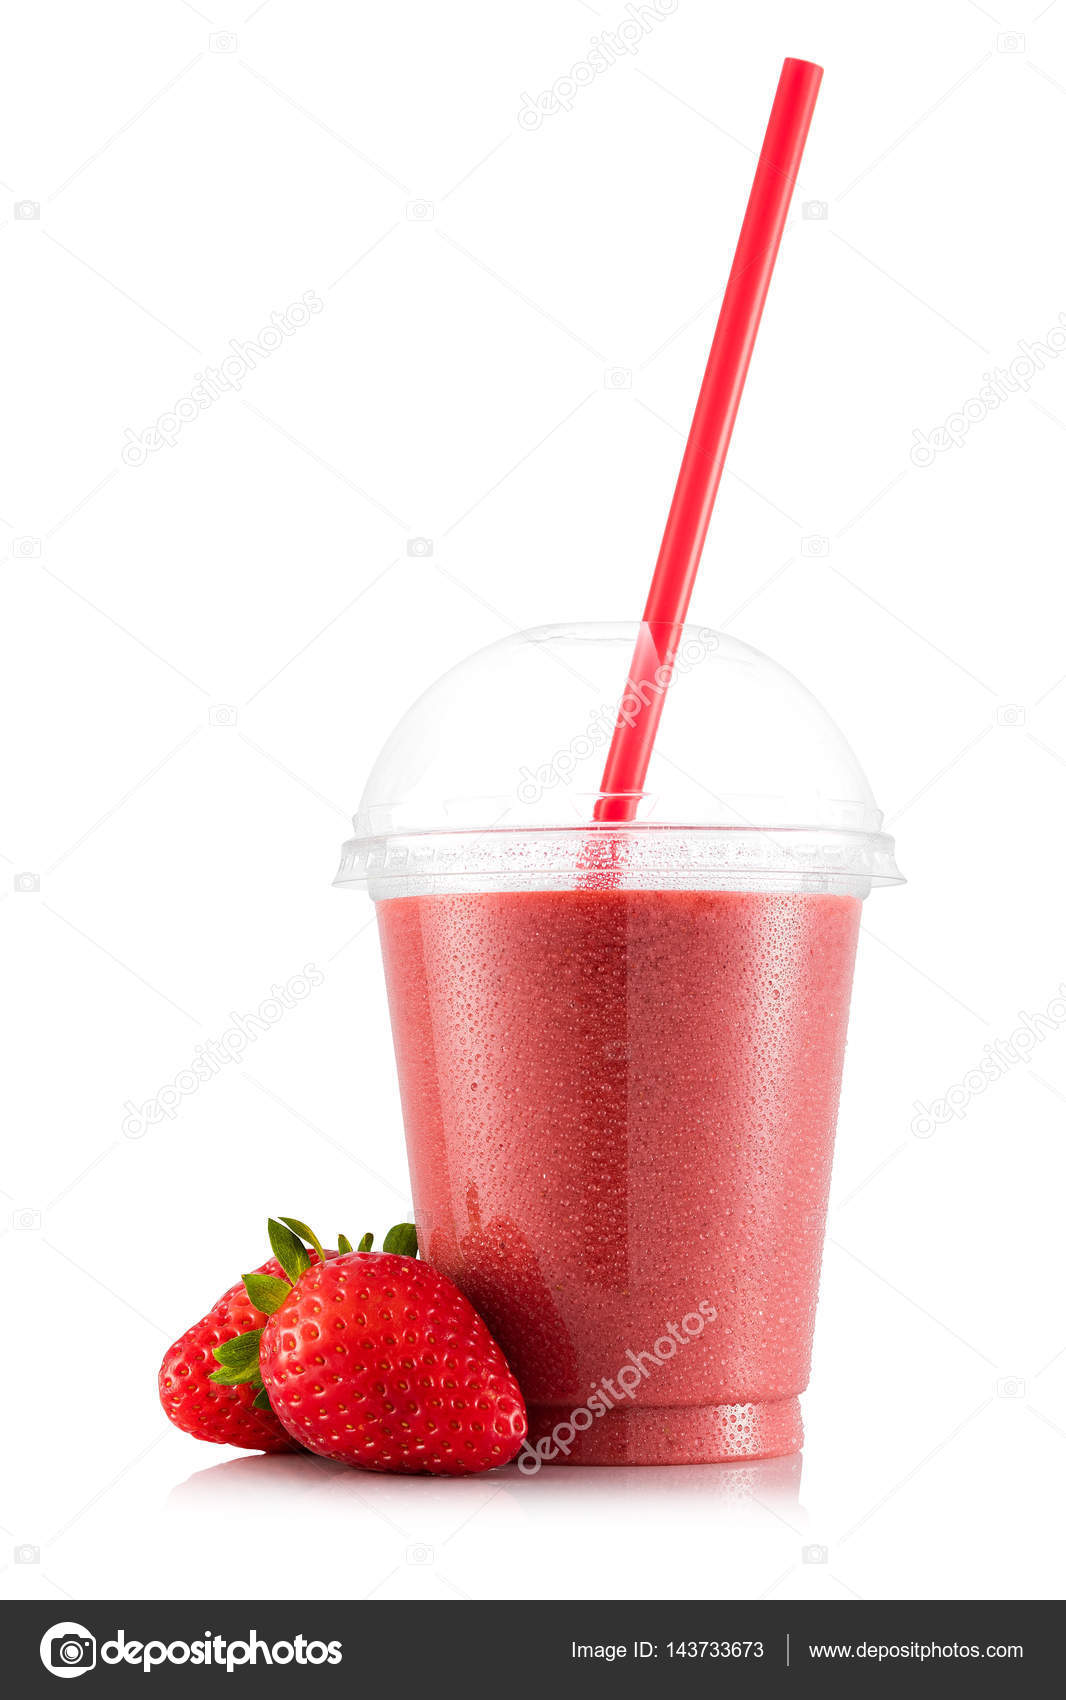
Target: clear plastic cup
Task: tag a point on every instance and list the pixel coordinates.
(620, 1045)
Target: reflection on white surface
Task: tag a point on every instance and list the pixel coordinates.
(196, 1522)
(566, 1532)
(762, 1480)
(289, 1480)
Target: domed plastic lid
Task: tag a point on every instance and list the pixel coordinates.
(489, 781)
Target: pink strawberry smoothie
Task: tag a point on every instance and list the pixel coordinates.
(620, 1111)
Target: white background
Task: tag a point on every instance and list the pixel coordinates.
(460, 385)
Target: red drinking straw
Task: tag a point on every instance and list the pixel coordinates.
(708, 438)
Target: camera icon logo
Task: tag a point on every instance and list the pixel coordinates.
(814, 545)
(1010, 1387)
(617, 378)
(1010, 714)
(27, 882)
(27, 209)
(818, 210)
(419, 1554)
(816, 1554)
(420, 547)
(27, 1554)
(68, 1649)
(222, 714)
(223, 41)
(26, 1221)
(1010, 42)
(419, 212)
(26, 548)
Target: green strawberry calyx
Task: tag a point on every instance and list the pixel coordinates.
(238, 1359)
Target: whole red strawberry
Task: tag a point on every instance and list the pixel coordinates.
(197, 1404)
(377, 1360)
(234, 1413)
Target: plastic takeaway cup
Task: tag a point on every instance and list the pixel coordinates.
(620, 1044)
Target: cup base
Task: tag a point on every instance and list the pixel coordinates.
(669, 1434)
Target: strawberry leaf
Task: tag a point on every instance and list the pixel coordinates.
(305, 1233)
(344, 1244)
(288, 1250)
(266, 1292)
(402, 1239)
(365, 1243)
(226, 1376)
(240, 1351)
(261, 1402)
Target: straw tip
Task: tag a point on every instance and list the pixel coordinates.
(806, 65)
